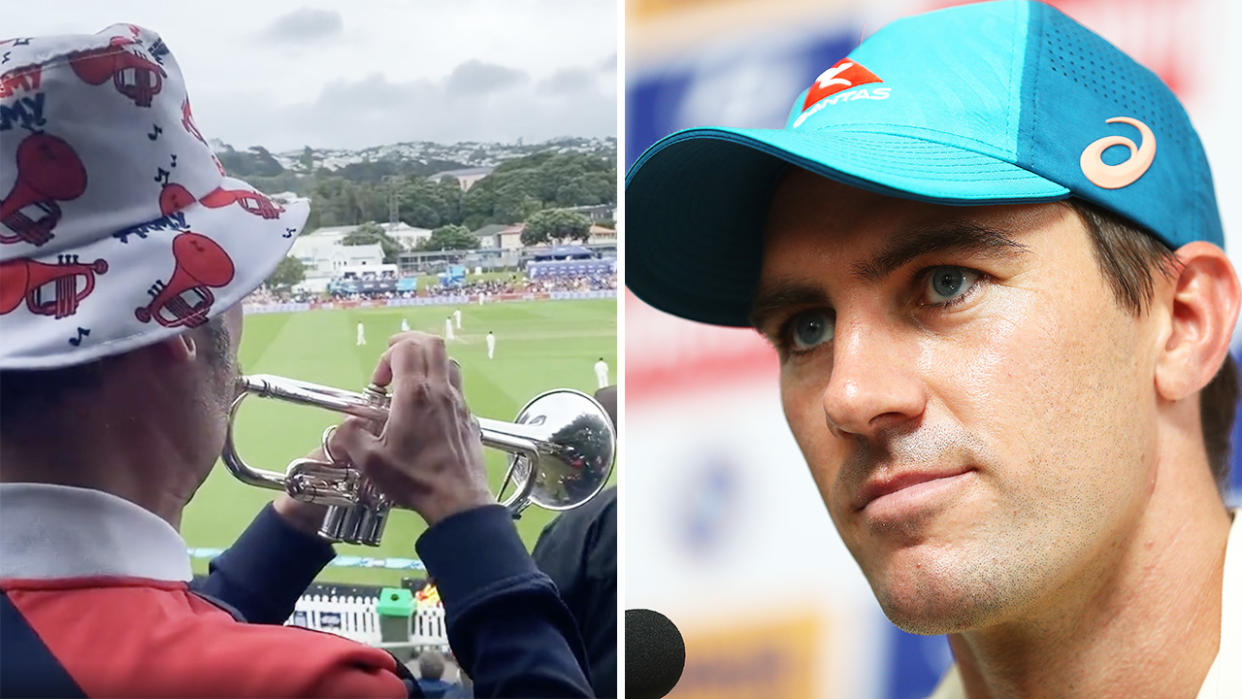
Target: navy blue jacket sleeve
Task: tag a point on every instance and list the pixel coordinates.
(265, 571)
(507, 625)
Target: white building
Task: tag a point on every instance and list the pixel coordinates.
(314, 250)
(356, 258)
(600, 235)
(408, 236)
(466, 177)
(323, 255)
(367, 270)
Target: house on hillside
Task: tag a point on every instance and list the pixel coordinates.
(466, 177)
(488, 236)
(595, 212)
(408, 236)
(600, 235)
(511, 237)
(501, 236)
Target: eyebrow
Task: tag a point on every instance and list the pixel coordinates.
(773, 297)
(959, 237)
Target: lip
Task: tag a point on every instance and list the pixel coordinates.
(918, 482)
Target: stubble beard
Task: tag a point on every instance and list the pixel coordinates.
(926, 584)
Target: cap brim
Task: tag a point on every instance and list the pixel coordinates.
(120, 275)
(697, 200)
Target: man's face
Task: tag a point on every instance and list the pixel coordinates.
(976, 410)
(213, 381)
(223, 353)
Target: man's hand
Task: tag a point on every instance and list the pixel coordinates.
(428, 457)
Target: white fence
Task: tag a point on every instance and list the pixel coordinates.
(355, 618)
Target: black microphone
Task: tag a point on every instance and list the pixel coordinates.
(655, 654)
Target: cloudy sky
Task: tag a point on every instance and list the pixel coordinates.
(287, 73)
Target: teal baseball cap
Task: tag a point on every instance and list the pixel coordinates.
(1003, 102)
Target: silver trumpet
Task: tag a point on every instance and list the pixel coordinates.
(561, 448)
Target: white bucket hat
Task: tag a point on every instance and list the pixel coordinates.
(118, 226)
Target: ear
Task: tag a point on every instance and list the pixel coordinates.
(1202, 312)
(181, 348)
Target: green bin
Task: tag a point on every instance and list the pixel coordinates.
(395, 608)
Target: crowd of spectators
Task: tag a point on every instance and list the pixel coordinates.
(516, 284)
(521, 285)
(265, 296)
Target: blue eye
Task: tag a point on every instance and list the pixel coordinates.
(947, 284)
(811, 328)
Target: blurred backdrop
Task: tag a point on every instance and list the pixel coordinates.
(726, 533)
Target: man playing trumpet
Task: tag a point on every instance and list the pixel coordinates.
(111, 417)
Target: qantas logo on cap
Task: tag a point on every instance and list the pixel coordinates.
(843, 75)
(1126, 172)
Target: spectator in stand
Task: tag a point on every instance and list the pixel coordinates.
(578, 550)
(430, 674)
(464, 689)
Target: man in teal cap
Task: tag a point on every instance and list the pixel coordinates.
(987, 249)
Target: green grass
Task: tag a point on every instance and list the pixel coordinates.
(539, 345)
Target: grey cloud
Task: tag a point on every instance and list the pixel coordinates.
(374, 111)
(476, 77)
(608, 64)
(305, 24)
(568, 81)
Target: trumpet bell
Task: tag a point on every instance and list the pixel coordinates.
(574, 448)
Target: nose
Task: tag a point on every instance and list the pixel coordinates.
(875, 384)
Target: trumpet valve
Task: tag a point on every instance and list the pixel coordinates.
(323, 483)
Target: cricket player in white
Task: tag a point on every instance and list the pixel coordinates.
(448, 328)
(457, 318)
(491, 344)
(405, 325)
(601, 372)
(362, 336)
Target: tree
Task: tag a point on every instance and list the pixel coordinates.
(555, 225)
(254, 161)
(450, 237)
(288, 272)
(429, 204)
(520, 187)
(370, 233)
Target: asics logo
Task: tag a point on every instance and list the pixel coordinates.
(1126, 172)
